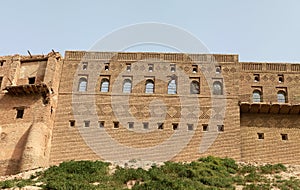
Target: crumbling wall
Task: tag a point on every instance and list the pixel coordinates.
(26, 140)
(14, 132)
(35, 152)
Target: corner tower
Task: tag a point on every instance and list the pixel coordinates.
(28, 99)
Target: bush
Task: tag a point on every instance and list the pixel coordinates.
(271, 169)
(257, 187)
(124, 175)
(246, 169)
(75, 175)
(253, 177)
(6, 184)
(206, 173)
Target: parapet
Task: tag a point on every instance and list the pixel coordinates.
(137, 56)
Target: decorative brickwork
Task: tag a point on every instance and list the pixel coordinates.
(215, 105)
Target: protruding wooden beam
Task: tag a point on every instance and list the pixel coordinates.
(29, 53)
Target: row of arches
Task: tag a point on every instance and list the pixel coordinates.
(150, 86)
(257, 96)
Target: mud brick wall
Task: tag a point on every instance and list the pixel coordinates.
(114, 125)
(25, 141)
(272, 148)
(68, 143)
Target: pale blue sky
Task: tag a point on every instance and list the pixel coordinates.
(257, 30)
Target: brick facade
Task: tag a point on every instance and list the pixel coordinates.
(173, 106)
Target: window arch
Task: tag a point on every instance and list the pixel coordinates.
(256, 96)
(149, 87)
(195, 87)
(217, 88)
(104, 85)
(281, 96)
(127, 86)
(82, 85)
(172, 87)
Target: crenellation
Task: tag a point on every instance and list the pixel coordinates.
(295, 67)
(276, 67)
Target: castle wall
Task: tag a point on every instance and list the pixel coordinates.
(272, 148)
(69, 113)
(263, 123)
(76, 146)
(269, 84)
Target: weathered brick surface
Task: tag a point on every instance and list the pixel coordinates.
(44, 135)
(272, 148)
(76, 148)
(25, 142)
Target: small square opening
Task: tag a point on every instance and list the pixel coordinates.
(1, 63)
(86, 123)
(280, 78)
(160, 125)
(284, 137)
(130, 125)
(72, 123)
(106, 66)
(128, 67)
(173, 67)
(260, 135)
(221, 128)
(218, 69)
(190, 127)
(20, 113)
(146, 125)
(31, 80)
(195, 68)
(175, 126)
(101, 124)
(150, 68)
(84, 66)
(256, 78)
(116, 124)
(205, 127)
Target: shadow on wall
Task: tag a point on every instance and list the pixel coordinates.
(14, 163)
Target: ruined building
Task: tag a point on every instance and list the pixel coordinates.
(28, 98)
(149, 106)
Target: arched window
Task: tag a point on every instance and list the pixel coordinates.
(82, 85)
(195, 87)
(256, 96)
(127, 86)
(217, 88)
(104, 85)
(172, 87)
(281, 96)
(149, 87)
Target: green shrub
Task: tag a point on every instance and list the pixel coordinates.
(23, 183)
(220, 164)
(239, 180)
(75, 175)
(257, 187)
(206, 173)
(246, 169)
(253, 177)
(6, 184)
(271, 169)
(292, 183)
(124, 175)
